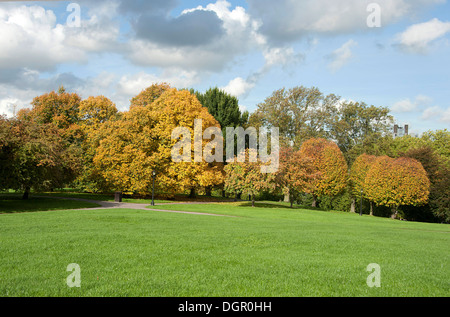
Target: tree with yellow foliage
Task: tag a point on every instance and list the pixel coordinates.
(140, 142)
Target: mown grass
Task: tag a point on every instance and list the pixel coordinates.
(265, 251)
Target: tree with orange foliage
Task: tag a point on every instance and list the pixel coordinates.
(294, 171)
(60, 108)
(395, 182)
(329, 171)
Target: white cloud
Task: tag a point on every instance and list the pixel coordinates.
(341, 56)
(32, 38)
(238, 87)
(406, 105)
(437, 113)
(418, 37)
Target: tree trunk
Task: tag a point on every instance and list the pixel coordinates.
(253, 200)
(208, 191)
(26, 193)
(314, 203)
(291, 203)
(371, 208)
(394, 212)
(352, 207)
(287, 197)
(192, 193)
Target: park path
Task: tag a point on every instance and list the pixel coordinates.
(125, 205)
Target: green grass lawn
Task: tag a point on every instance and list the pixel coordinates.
(266, 251)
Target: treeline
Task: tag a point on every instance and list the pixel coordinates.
(334, 153)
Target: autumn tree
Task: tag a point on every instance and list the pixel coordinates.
(147, 96)
(59, 108)
(140, 142)
(246, 176)
(55, 115)
(396, 182)
(438, 174)
(357, 177)
(94, 112)
(35, 156)
(329, 168)
(295, 170)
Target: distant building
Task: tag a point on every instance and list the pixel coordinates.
(401, 131)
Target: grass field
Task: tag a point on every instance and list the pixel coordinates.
(266, 251)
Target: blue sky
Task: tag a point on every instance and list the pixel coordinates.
(249, 48)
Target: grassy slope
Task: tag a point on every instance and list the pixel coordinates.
(262, 252)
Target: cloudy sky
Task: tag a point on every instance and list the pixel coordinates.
(393, 53)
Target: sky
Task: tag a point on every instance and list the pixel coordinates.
(389, 53)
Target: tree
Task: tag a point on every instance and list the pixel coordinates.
(140, 142)
(247, 178)
(225, 109)
(294, 171)
(147, 96)
(329, 171)
(354, 123)
(223, 106)
(357, 177)
(438, 174)
(439, 140)
(396, 182)
(299, 112)
(38, 156)
(59, 108)
(8, 144)
(94, 112)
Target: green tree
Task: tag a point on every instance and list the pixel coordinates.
(223, 107)
(356, 123)
(300, 113)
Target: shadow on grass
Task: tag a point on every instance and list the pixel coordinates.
(279, 205)
(15, 204)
